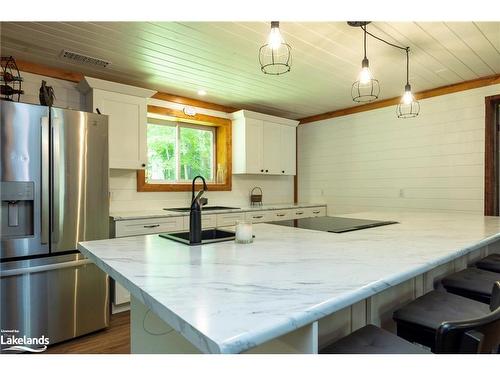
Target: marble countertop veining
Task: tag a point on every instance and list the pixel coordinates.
(227, 297)
(148, 214)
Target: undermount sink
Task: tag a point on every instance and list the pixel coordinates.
(207, 236)
(208, 208)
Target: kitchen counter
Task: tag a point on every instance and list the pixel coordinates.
(148, 214)
(229, 298)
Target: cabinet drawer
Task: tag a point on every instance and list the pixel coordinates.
(207, 221)
(259, 216)
(315, 211)
(225, 220)
(147, 226)
(300, 213)
(283, 215)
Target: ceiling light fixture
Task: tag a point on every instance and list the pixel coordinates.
(408, 107)
(366, 88)
(202, 92)
(275, 56)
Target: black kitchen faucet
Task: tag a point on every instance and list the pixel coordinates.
(195, 212)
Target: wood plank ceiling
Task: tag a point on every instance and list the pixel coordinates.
(222, 58)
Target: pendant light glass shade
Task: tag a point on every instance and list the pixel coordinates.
(408, 107)
(366, 88)
(275, 56)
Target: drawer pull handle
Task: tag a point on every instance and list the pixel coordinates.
(280, 215)
(257, 217)
(152, 226)
(299, 213)
(316, 212)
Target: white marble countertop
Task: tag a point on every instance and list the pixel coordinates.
(227, 298)
(148, 214)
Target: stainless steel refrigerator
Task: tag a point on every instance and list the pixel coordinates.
(54, 193)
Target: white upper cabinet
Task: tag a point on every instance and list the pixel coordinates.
(288, 150)
(126, 107)
(252, 158)
(263, 144)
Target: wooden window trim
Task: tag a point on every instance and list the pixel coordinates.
(491, 160)
(223, 150)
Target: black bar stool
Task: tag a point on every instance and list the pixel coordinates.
(373, 340)
(471, 283)
(421, 320)
(476, 335)
(490, 263)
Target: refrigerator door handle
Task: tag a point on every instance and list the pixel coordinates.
(44, 268)
(45, 215)
(56, 175)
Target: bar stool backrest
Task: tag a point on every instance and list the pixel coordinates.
(481, 335)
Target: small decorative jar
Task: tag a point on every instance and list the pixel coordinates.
(244, 232)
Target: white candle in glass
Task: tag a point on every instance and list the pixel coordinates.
(244, 232)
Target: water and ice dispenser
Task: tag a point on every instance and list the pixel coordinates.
(17, 209)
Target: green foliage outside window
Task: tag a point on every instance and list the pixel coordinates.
(179, 153)
(196, 153)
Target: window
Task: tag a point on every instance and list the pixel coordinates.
(177, 152)
(181, 146)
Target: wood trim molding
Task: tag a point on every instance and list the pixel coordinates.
(224, 150)
(443, 90)
(71, 76)
(44, 70)
(193, 102)
(180, 116)
(491, 160)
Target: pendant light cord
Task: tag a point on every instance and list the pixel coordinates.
(406, 49)
(407, 65)
(364, 41)
(382, 40)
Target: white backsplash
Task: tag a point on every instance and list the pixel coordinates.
(125, 197)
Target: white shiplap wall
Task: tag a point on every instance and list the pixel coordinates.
(374, 161)
(124, 195)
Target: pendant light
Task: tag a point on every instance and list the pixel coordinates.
(275, 56)
(408, 107)
(366, 88)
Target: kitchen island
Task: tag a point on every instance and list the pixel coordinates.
(292, 290)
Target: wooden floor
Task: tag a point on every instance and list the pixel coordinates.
(113, 340)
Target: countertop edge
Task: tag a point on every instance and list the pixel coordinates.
(166, 213)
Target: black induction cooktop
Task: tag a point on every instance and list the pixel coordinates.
(334, 224)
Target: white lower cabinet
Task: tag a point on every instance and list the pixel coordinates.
(283, 215)
(259, 216)
(315, 211)
(148, 226)
(137, 227)
(300, 213)
(226, 220)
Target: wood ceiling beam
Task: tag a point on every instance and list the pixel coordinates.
(71, 76)
(443, 90)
